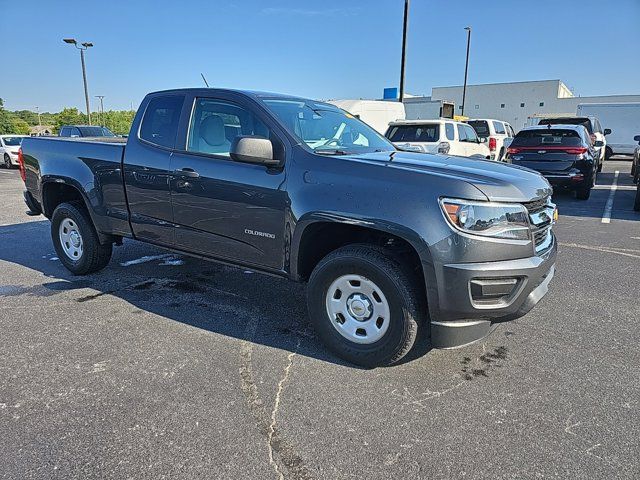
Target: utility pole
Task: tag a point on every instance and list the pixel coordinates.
(466, 69)
(404, 48)
(101, 97)
(82, 47)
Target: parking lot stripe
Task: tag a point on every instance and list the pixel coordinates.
(606, 216)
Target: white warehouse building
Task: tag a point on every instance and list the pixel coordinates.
(511, 102)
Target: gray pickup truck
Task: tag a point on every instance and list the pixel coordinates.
(389, 242)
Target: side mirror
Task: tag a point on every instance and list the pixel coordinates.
(598, 143)
(253, 149)
(607, 131)
(637, 138)
(483, 140)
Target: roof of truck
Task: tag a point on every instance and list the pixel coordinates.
(250, 93)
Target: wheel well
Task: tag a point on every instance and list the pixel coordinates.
(320, 239)
(53, 194)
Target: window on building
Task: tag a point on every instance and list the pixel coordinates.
(460, 107)
(521, 105)
(502, 105)
(477, 107)
(542, 104)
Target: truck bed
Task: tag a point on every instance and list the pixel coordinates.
(92, 164)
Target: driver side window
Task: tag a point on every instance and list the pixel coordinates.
(472, 137)
(215, 124)
(462, 134)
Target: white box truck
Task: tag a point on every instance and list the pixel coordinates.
(622, 118)
(375, 113)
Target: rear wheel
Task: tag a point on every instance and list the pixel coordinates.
(76, 241)
(7, 161)
(583, 193)
(365, 306)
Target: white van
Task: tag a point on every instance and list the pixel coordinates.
(375, 113)
(623, 119)
(444, 136)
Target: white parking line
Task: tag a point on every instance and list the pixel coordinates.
(606, 216)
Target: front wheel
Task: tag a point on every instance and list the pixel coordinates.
(365, 306)
(7, 161)
(76, 241)
(636, 204)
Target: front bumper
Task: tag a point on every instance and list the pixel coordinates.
(475, 297)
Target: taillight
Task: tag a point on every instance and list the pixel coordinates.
(492, 143)
(444, 147)
(23, 173)
(576, 150)
(513, 150)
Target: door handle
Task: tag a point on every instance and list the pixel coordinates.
(186, 172)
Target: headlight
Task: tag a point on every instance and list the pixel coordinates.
(497, 220)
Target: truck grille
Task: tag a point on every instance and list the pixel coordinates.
(541, 218)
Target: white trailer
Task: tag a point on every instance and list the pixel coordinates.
(622, 118)
(375, 113)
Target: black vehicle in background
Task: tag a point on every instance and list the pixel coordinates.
(563, 154)
(78, 131)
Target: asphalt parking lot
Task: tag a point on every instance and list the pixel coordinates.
(163, 365)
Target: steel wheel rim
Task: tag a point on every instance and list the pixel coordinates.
(358, 309)
(71, 239)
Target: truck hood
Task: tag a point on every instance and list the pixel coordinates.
(499, 182)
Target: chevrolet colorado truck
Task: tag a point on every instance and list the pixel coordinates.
(389, 242)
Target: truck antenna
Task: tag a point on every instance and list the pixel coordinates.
(205, 80)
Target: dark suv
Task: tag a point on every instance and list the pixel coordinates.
(564, 154)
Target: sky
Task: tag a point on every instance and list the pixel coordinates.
(325, 49)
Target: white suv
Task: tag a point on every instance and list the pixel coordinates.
(9, 146)
(437, 136)
(499, 135)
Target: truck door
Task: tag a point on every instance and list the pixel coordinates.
(222, 208)
(146, 169)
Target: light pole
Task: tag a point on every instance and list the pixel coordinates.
(404, 48)
(82, 47)
(466, 69)
(39, 119)
(101, 97)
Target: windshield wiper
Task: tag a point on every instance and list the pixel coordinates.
(330, 151)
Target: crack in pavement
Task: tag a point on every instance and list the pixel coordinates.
(278, 447)
(274, 413)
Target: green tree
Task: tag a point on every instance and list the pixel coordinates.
(6, 125)
(20, 127)
(68, 116)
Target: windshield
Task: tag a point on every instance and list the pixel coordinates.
(12, 141)
(481, 127)
(327, 129)
(429, 133)
(96, 132)
(544, 137)
(568, 121)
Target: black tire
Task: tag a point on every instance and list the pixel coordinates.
(636, 204)
(405, 301)
(608, 153)
(7, 161)
(95, 256)
(583, 193)
(501, 155)
(600, 165)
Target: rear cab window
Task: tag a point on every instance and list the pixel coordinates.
(481, 127)
(159, 124)
(427, 133)
(449, 131)
(499, 128)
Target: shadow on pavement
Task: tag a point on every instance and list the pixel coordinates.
(229, 301)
